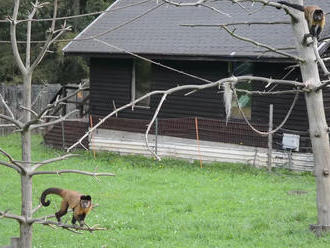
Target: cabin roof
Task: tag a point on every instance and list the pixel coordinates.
(156, 28)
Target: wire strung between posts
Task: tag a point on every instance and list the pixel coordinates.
(274, 130)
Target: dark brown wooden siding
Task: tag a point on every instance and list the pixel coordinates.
(111, 81)
(282, 103)
(63, 135)
(208, 129)
(207, 103)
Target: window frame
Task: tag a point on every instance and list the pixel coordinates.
(133, 88)
(231, 72)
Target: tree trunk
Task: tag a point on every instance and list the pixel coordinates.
(318, 127)
(76, 11)
(26, 180)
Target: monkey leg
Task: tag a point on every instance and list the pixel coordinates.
(318, 32)
(62, 211)
(81, 219)
(73, 221)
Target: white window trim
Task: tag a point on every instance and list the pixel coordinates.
(133, 89)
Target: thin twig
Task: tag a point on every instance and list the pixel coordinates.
(232, 33)
(29, 110)
(274, 130)
(269, 93)
(319, 59)
(81, 15)
(37, 208)
(7, 107)
(56, 103)
(235, 24)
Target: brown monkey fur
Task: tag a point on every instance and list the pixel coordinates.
(314, 16)
(81, 204)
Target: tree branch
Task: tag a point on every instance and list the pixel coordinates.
(18, 165)
(234, 24)
(29, 110)
(274, 130)
(268, 93)
(13, 24)
(10, 166)
(50, 123)
(51, 106)
(319, 59)
(81, 15)
(49, 39)
(5, 214)
(151, 123)
(53, 160)
(17, 123)
(7, 107)
(71, 171)
(71, 227)
(180, 4)
(232, 33)
(28, 36)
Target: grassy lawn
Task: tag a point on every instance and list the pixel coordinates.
(171, 203)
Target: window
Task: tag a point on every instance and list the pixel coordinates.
(141, 82)
(244, 100)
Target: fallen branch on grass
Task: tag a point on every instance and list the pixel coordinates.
(72, 228)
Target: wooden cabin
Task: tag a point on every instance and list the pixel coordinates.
(114, 41)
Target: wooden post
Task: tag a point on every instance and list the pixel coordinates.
(270, 138)
(156, 136)
(63, 134)
(91, 126)
(198, 144)
(14, 242)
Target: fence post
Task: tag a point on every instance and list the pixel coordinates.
(198, 143)
(156, 136)
(63, 134)
(14, 242)
(270, 138)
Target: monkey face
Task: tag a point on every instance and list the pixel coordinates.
(318, 15)
(85, 201)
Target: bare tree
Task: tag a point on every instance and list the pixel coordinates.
(307, 59)
(31, 120)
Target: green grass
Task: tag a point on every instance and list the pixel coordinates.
(171, 203)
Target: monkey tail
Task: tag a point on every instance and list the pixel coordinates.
(292, 5)
(48, 191)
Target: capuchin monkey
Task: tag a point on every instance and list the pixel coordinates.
(314, 16)
(81, 204)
